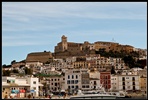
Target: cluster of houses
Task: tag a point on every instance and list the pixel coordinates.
(74, 73)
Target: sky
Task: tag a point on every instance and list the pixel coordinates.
(37, 26)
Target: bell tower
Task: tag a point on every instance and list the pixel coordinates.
(64, 43)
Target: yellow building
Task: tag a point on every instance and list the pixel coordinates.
(80, 64)
(106, 45)
(143, 84)
(5, 91)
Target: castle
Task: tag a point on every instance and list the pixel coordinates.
(64, 48)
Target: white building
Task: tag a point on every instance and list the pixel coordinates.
(114, 83)
(129, 82)
(70, 59)
(73, 79)
(94, 83)
(27, 84)
(33, 63)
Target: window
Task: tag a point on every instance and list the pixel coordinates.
(133, 87)
(87, 86)
(83, 86)
(55, 84)
(133, 78)
(8, 81)
(34, 82)
(68, 87)
(123, 79)
(51, 79)
(127, 77)
(76, 81)
(123, 87)
(77, 86)
(34, 88)
(72, 76)
(3, 89)
(68, 82)
(72, 81)
(94, 87)
(55, 79)
(72, 86)
(76, 76)
(68, 77)
(63, 78)
(58, 79)
(123, 83)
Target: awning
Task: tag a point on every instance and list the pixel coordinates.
(22, 91)
(32, 91)
(14, 91)
(62, 90)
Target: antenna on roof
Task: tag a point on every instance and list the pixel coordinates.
(113, 40)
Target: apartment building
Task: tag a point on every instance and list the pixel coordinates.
(129, 82)
(92, 64)
(69, 62)
(105, 79)
(20, 86)
(80, 64)
(102, 63)
(94, 83)
(55, 83)
(143, 84)
(75, 78)
(114, 83)
(85, 81)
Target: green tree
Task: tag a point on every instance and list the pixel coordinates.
(12, 62)
(15, 71)
(21, 66)
(28, 71)
(130, 61)
(6, 73)
(4, 66)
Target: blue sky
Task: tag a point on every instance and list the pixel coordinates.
(37, 26)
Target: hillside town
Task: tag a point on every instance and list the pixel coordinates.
(77, 66)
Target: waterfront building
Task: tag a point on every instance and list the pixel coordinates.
(20, 86)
